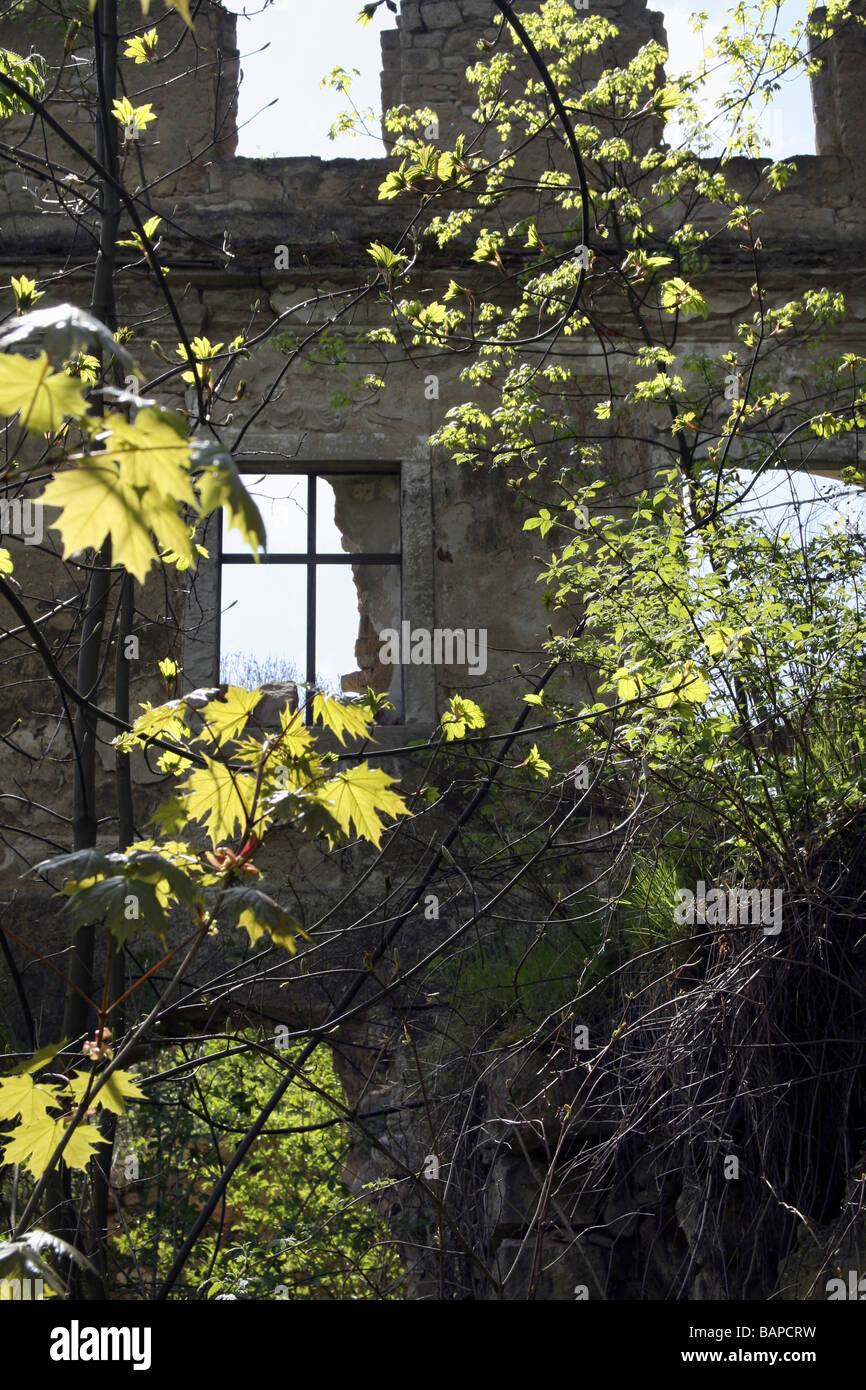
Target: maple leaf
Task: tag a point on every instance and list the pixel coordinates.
(219, 798)
(97, 500)
(141, 868)
(43, 397)
(39, 1059)
(162, 721)
(463, 715)
(281, 935)
(136, 117)
(170, 817)
(154, 453)
(220, 485)
(20, 1095)
(119, 1087)
(359, 797)
(165, 867)
(80, 866)
(182, 7)
(34, 1144)
(125, 904)
(296, 739)
(142, 47)
(260, 915)
(342, 719)
(227, 715)
(203, 353)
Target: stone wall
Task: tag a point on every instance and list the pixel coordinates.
(424, 61)
(839, 90)
(467, 562)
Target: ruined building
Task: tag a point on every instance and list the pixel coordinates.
(441, 549)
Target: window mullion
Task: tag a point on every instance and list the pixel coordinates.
(311, 587)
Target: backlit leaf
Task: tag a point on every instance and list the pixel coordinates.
(119, 1087)
(227, 715)
(97, 500)
(38, 1060)
(43, 397)
(34, 1144)
(359, 798)
(342, 719)
(21, 1096)
(260, 915)
(153, 451)
(220, 485)
(219, 798)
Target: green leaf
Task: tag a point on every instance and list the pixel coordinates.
(258, 915)
(359, 798)
(44, 398)
(154, 450)
(678, 296)
(98, 500)
(537, 765)
(120, 1087)
(126, 905)
(668, 98)
(695, 689)
(462, 716)
(35, 1143)
(384, 257)
(38, 1060)
(142, 47)
(342, 718)
(27, 73)
(227, 715)
(628, 683)
(21, 1096)
(220, 485)
(138, 117)
(221, 799)
(720, 640)
(151, 866)
(79, 865)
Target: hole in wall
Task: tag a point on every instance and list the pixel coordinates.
(789, 127)
(274, 626)
(286, 48)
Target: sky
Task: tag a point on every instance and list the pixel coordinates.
(264, 611)
(286, 48)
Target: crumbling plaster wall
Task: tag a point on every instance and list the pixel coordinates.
(466, 560)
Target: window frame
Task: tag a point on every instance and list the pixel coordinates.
(311, 558)
(201, 589)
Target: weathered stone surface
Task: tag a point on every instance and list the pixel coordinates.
(466, 564)
(441, 14)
